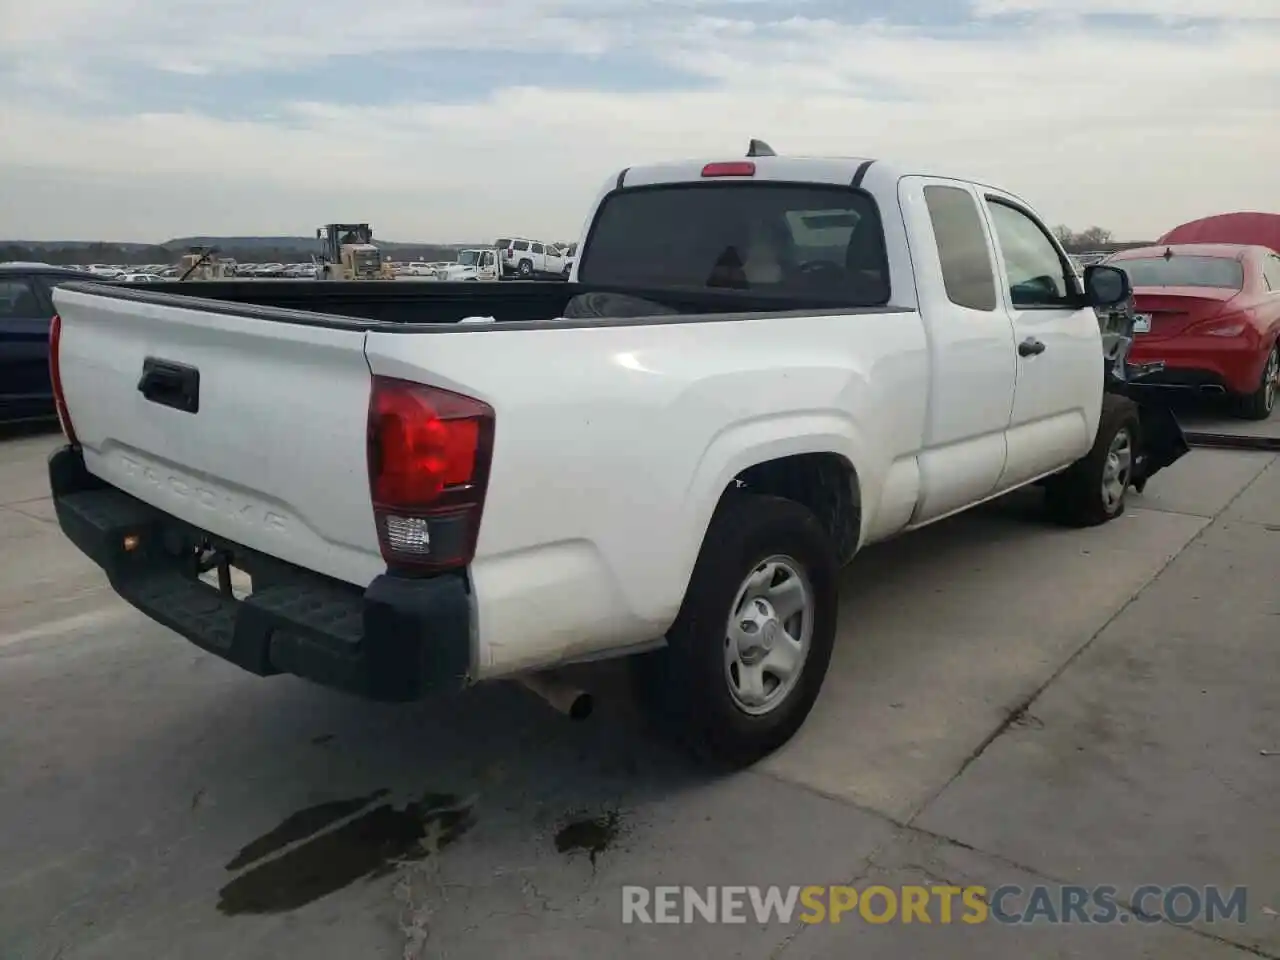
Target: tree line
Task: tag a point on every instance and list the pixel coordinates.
(1094, 238)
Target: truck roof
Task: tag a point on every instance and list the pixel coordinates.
(845, 171)
(833, 170)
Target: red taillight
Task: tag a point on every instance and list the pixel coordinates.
(736, 168)
(55, 378)
(429, 453)
(1225, 324)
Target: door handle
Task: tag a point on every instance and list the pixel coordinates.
(1030, 347)
(170, 384)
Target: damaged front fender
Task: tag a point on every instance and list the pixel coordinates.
(1163, 441)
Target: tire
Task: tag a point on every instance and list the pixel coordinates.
(1092, 490)
(1259, 404)
(525, 269)
(694, 689)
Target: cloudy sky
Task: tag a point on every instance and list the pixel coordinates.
(452, 120)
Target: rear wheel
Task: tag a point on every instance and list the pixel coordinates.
(750, 647)
(1259, 404)
(1092, 490)
(525, 269)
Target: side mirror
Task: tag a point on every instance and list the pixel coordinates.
(1106, 286)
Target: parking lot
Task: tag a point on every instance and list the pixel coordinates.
(1009, 703)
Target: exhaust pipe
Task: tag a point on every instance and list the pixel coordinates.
(1213, 388)
(567, 699)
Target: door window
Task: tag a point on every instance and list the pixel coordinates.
(537, 248)
(1034, 270)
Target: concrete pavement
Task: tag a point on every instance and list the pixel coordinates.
(1009, 703)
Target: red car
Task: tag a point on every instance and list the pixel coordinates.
(1211, 312)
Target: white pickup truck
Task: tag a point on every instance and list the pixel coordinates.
(759, 367)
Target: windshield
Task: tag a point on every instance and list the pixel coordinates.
(1181, 271)
(770, 238)
(469, 258)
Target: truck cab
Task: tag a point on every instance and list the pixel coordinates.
(478, 264)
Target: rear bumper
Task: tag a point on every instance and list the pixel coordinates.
(397, 640)
(1202, 363)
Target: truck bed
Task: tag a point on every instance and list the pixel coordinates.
(395, 303)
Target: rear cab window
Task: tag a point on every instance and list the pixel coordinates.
(785, 239)
(1180, 270)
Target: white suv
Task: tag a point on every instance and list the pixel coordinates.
(528, 259)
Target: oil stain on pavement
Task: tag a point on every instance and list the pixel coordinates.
(592, 835)
(367, 846)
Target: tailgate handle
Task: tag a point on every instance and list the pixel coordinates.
(170, 384)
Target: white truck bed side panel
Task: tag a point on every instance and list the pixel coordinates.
(275, 457)
(613, 445)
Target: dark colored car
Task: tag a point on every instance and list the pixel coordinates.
(26, 307)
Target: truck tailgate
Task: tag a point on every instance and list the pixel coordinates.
(270, 455)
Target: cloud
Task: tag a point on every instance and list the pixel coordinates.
(465, 121)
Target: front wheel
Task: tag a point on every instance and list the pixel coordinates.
(1092, 490)
(750, 647)
(1259, 404)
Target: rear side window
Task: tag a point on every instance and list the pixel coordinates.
(797, 240)
(1271, 272)
(18, 299)
(967, 272)
(521, 245)
(1183, 271)
(537, 248)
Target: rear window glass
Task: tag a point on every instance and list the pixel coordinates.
(787, 239)
(1182, 271)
